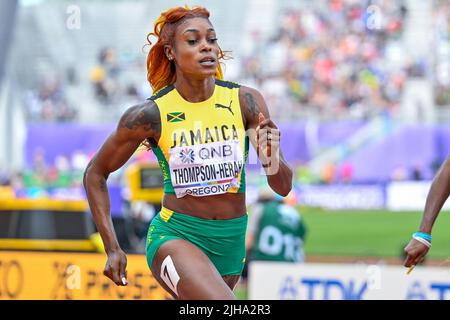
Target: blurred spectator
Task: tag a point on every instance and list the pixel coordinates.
(105, 76)
(335, 60)
(63, 171)
(328, 174)
(276, 231)
(346, 172)
(39, 164)
(4, 177)
(304, 174)
(435, 165)
(441, 26)
(416, 173)
(44, 177)
(49, 102)
(400, 173)
(98, 77)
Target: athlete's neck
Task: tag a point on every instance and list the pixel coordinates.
(194, 90)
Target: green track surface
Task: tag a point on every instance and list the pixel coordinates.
(369, 233)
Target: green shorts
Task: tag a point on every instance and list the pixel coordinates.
(223, 241)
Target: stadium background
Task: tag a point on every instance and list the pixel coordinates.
(360, 90)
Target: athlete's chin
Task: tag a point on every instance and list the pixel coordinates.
(205, 73)
(208, 67)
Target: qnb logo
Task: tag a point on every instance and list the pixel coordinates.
(322, 289)
(187, 155)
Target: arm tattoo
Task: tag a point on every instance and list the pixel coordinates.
(142, 115)
(102, 182)
(102, 185)
(252, 105)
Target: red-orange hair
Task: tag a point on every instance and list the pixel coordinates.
(161, 71)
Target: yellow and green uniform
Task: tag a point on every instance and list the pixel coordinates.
(203, 147)
(223, 241)
(202, 151)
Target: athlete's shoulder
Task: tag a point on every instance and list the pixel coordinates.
(246, 90)
(146, 106)
(144, 114)
(161, 93)
(227, 84)
(250, 97)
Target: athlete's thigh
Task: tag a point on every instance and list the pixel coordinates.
(187, 273)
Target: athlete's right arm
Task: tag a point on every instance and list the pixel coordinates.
(438, 194)
(136, 124)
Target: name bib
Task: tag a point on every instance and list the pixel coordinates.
(206, 169)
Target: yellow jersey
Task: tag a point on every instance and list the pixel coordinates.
(203, 146)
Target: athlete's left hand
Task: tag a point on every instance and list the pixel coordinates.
(268, 141)
(415, 253)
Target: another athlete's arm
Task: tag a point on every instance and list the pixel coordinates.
(438, 194)
(137, 124)
(267, 145)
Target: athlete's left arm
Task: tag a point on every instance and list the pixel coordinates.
(265, 138)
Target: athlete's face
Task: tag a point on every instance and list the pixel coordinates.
(195, 49)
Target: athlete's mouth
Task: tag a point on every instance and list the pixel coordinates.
(208, 61)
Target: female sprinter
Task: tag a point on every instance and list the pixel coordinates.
(199, 127)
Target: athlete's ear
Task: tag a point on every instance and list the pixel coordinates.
(169, 52)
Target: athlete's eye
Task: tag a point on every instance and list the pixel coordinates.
(192, 42)
(213, 40)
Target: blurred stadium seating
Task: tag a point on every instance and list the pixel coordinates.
(360, 90)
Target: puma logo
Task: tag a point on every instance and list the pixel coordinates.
(218, 105)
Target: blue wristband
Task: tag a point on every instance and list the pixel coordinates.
(422, 235)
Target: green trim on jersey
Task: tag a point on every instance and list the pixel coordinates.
(242, 186)
(168, 187)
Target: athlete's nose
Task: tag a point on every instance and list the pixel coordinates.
(206, 47)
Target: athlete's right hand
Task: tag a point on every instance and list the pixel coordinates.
(116, 267)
